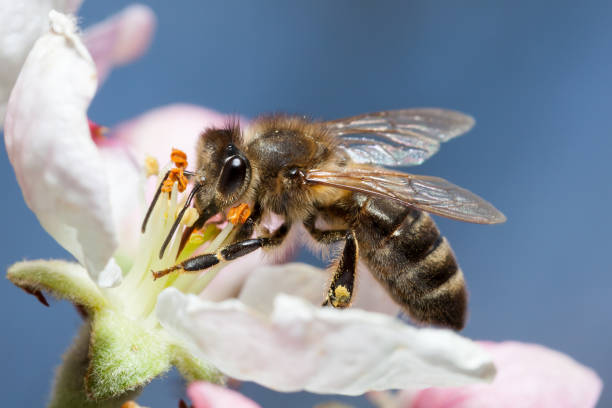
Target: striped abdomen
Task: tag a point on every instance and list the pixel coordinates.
(404, 250)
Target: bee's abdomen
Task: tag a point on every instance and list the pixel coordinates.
(404, 250)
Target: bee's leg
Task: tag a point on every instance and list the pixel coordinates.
(341, 288)
(227, 253)
(245, 231)
(188, 231)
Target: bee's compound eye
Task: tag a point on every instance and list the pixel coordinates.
(232, 175)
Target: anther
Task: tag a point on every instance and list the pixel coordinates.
(179, 158)
(190, 217)
(176, 175)
(239, 214)
(151, 166)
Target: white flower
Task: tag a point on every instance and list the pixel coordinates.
(83, 195)
(299, 346)
(21, 23)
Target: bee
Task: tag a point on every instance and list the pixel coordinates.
(306, 171)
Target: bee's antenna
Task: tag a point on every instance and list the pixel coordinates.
(150, 210)
(157, 193)
(192, 194)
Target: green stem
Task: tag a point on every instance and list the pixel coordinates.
(68, 387)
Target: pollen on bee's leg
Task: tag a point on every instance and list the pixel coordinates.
(151, 166)
(239, 214)
(342, 296)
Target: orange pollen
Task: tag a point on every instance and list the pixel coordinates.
(176, 175)
(179, 158)
(239, 214)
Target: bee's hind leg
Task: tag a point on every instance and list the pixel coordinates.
(341, 288)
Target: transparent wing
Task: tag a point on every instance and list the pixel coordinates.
(430, 194)
(400, 137)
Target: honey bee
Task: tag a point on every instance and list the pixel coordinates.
(305, 171)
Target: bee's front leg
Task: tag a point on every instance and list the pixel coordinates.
(227, 253)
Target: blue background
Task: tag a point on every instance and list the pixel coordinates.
(537, 76)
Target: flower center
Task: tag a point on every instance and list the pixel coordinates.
(139, 290)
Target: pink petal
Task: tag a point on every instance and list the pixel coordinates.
(370, 295)
(207, 395)
(156, 132)
(121, 38)
(57, 165)
(21, 23)
(529, 375)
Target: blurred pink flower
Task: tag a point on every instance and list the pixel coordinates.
(529, 376)
(207, 395)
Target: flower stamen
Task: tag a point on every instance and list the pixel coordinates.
(190, 217)
(151, 166)
(176, 175)
(179, 158)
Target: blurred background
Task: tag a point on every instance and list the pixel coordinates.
(537, 76)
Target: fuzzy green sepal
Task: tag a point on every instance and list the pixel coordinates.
(68, 387)
(123, 355)
(194, 369)
(63, 279)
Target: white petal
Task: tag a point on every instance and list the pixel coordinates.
(21, 23)
(121, 38)
(303, 347)
(231, 278)
(297, 279)
(47, 137)
(310, 283)
(111, 275)
(126, 182)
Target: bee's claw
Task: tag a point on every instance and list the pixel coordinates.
(164, 272)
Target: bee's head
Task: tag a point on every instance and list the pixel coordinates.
(224, 172)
